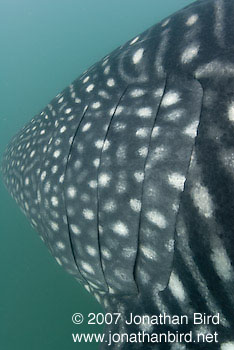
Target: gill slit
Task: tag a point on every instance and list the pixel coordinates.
(98, 192)
(143, 182)
(178, 212)
(64, 197)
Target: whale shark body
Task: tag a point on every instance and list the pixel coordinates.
(128, 177)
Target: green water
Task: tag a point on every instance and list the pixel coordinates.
(44, 46)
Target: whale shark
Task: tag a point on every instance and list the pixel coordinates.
(127, 175)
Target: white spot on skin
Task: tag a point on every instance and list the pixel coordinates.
(86, 287)
(192, 20)
(103, 94)
(47, 187)
(85, 197)
(88, 214)
(128, 252)
(157, 218)
(191, 129)
(63, 129)
(155, 131)
(149, 253)
(88, 268)
(93, 285)
(222, 263)
(98, 298)
(58, 261)
(227, 158)
(202, 200)
(143, 151)
(137, 93)
(112, 111)
(68, 110)
(189, 53)
(176, 180)
(134, 40)
(170, 98)
(119, 110)
(80, 147)
(170, 245)
(57, 142)
(106, 145)
(158, 92)
(110, 206)
(176, 287)
(32, 154)
(144, 112)
(142, 132)
(110, 82)
(99, 144)
(104, 179)
(231, 112)
(96, 162)
(56, 154)
(90, 88)
(43, 175)
(144, 276)
(54, 226)
(60, 245)
(27, 181)
(138, 56)
(96, 105)
(120, 228)
(121, 186)
(159, 153)
(174, 115)
(61, 179)
(135, 204)
(75, 229)
(92, 251)
(227, 346)
(105, 60)
(106, 253)
(107, 70)
(165, 22)
(86, 79)
(121, 274)
(93, 184)
(139, 176)
(121, 152)
(54, 201)
(86, 127)
(71, 192)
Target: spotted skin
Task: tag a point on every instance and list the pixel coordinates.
(127, 175)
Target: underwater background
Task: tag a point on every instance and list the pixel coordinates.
(45, 45)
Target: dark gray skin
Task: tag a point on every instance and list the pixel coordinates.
(128, 174)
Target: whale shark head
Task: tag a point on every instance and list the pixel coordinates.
(127, 175)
